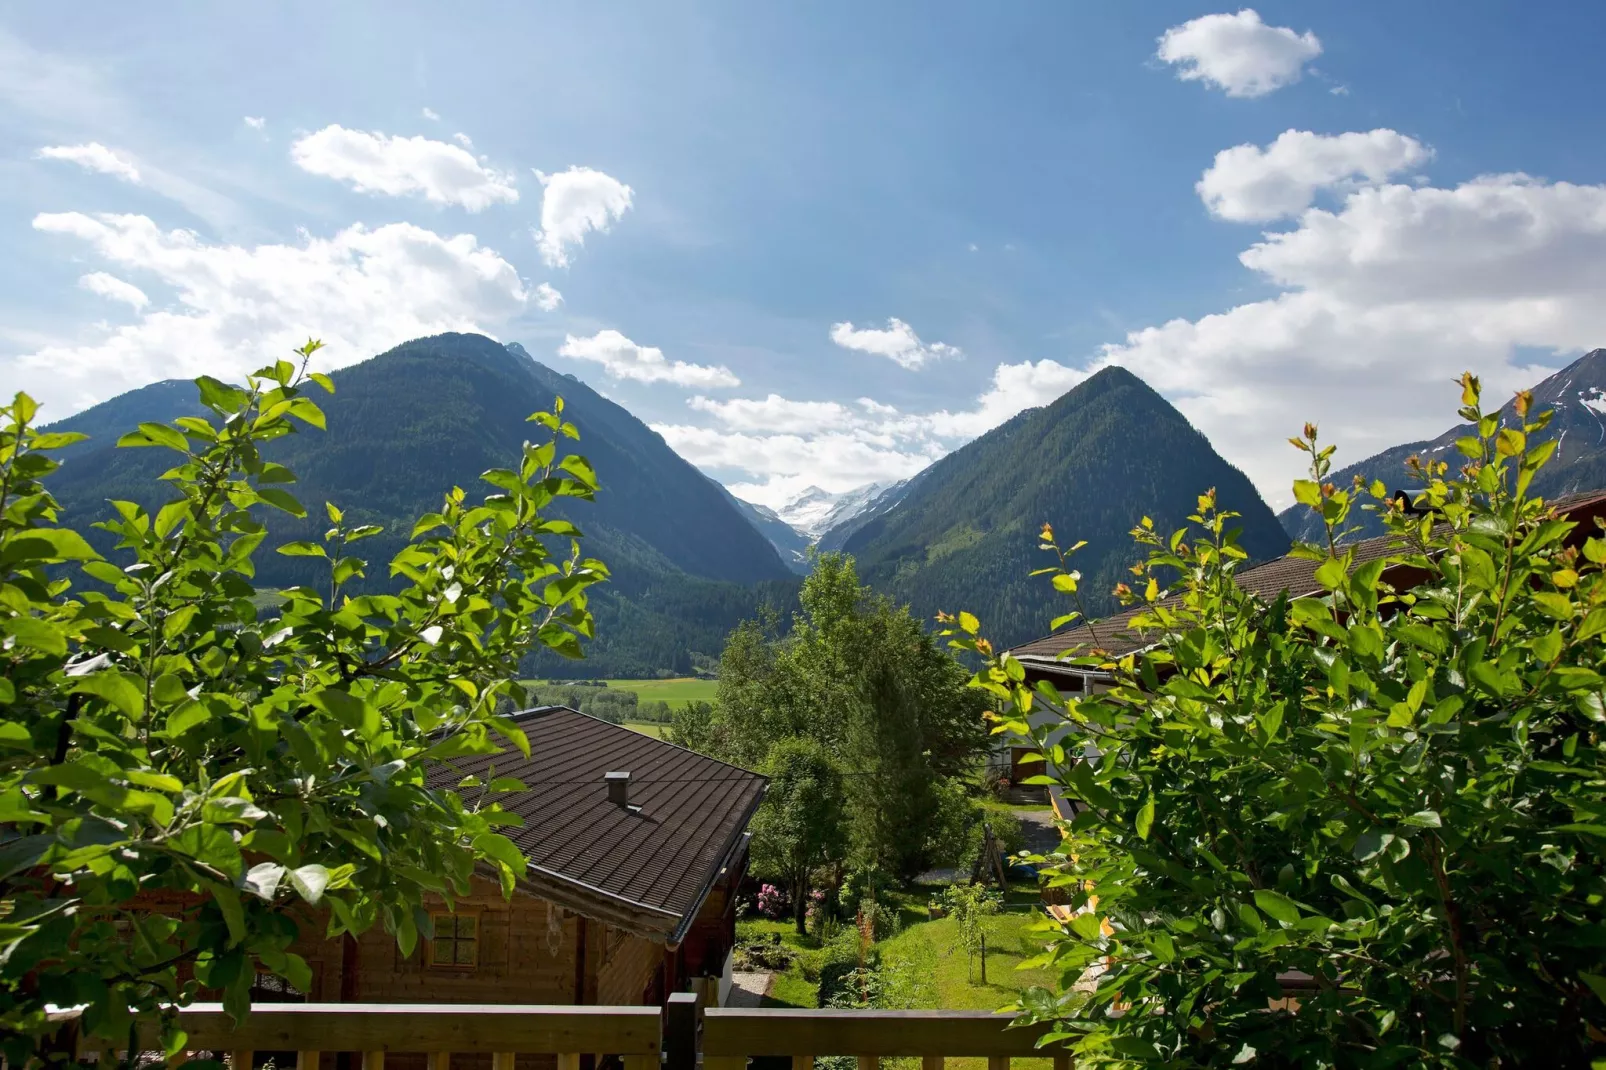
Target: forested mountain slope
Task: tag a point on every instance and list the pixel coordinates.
(1093, 463)
(406, 426)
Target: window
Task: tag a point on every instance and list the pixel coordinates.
(457, 941)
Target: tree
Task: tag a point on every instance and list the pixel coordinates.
(1396, 787)
(801, 823)
(161, 734)
(863, 679)
(970, 905)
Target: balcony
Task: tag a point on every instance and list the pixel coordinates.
(681, 1036)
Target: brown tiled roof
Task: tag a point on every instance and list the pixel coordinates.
(1295, 575)
(653, 865)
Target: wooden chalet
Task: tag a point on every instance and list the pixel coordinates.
(636, 848)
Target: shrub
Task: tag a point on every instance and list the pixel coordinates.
(160, 735)
(1396, 786)
(772, 901)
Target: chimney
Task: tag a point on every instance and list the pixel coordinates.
(618, 789)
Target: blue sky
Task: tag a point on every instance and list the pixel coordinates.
(737, 201)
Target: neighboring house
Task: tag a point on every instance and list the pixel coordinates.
(1112, 637)
(636, 848)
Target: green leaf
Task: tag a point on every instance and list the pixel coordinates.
(1145, 818)
(307, 411)
(1596, 983)
(282, 499)
(310, 882)
(303, 549)
(152, 434)
(1553, 604)
(1422, 636)
(495, 846)
(1277, 906)
(47, 545)
(36, 634)
(220, 397)
(1330, 573)
(1428, 819)
(120, 690)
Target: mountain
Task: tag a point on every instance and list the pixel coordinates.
(1093, 463)
(1577, 397)
(406, 426)
(815, 511)
(837, 535)
(792, 545)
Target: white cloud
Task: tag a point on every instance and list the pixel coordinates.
(236, 307)
(1015, 388)
(546, 298)
(1386, 300)
(775, 414)
(255, 122)
(624, 359)
(1238, 53)
(430, 114)
(784, 445)
(898, 342)
(463, 140)
(114, 289)
(93, 157)
(403, 166)
(789, 462)
(1248, 184)
(574, 202)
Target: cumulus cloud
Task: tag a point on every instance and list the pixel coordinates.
(898, 342)
(574, 202)
(1385, 300)
(430, 114)
(1015, 388)
(93, 157)
(788, 463)
(624, 359)
(237, 307)
(373, 162)
(256, 122)
(114, 289)
(783, 445)
(547, 298)
(1249, 184)
(777, 414)
(1238, 53)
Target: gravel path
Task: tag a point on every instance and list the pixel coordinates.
(1037, 826)
(748, 989)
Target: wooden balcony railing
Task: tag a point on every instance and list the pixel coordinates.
(679, 1037)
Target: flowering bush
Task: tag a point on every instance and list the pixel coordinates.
(771, 901)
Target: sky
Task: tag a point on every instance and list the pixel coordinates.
(826, 243)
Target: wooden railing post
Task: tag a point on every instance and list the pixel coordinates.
(680, 1031)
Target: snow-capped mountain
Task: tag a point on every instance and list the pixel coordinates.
(816, 511)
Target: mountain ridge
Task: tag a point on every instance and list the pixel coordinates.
(1092, 463)
(408, 424)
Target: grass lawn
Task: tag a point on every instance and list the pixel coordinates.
(678, 690)
(925, 956)
(646, 728)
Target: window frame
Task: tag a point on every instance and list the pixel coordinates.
(439, 919)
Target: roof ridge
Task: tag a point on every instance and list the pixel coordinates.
(542, 711)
